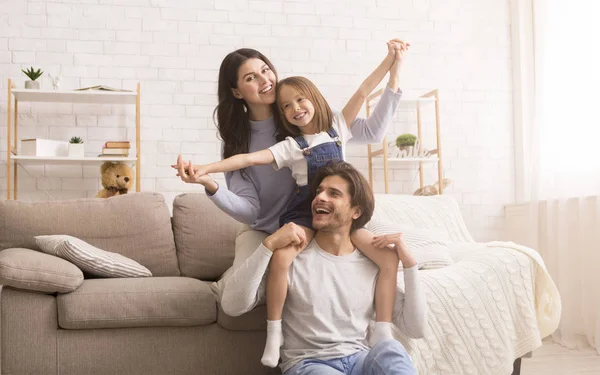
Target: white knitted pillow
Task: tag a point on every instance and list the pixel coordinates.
(89, 258)
(430, 252)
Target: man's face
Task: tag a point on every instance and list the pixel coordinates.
(331, 207)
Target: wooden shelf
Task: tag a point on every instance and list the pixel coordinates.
(65, 159)
(416, 103)
(410, 160)
(91, 96)
(16, 96)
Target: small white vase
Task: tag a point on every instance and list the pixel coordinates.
(35, 85)
(76, 150)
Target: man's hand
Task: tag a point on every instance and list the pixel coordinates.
(395, 242)
(289, 234)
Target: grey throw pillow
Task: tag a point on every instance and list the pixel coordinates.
(89, 258)
(31, 270)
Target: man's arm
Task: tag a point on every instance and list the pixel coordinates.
(410, 311)
(241, 291)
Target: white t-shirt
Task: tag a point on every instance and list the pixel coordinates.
(288, 153)
(329, 305)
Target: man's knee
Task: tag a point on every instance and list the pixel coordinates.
(392, 353)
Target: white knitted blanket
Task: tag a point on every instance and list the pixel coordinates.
(492, 306)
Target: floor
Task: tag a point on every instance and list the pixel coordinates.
(553, 359)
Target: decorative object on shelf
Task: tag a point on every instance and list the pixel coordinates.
(76, 148)
(101, 88)
(406, 142)
(33, 75)
(44, 147)
(432, 189)
(55, 81)
(117, 179)
(413, 152)
(116, 148)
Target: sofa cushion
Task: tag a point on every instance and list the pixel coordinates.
(429, 250)
(32, 270)
(204, 235)
(89, 258)
(253, 320)
(439, 212)
(136, 225)
(137, 302)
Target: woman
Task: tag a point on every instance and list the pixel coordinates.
(248, 121)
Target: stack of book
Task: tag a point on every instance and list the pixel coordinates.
(116, 148)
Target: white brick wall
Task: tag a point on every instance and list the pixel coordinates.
(174, 47)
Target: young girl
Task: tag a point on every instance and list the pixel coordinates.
(318, 137)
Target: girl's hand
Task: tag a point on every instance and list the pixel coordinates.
(187, 173)
(395, 242)
(395, 45)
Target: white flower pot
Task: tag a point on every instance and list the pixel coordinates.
(35, 85)
(76, 150)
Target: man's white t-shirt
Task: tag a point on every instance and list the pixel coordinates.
(329, 305)
(288, 153)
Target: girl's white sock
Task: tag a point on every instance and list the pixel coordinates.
(382, 331)
(270, 356)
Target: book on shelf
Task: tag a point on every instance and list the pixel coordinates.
(115, 151)
(117, 144)
(101, 88)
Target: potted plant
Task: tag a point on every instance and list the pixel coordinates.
(33, 75)
(405, 142)
(76, 147)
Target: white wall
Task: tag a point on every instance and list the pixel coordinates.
(174, 47)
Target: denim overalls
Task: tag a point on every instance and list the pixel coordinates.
(299, 210)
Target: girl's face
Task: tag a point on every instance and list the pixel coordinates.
(297, 109)
(256, 83)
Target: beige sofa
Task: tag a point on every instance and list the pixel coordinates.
(167, 324)
(52, 321)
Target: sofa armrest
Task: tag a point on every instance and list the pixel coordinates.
(32, 270)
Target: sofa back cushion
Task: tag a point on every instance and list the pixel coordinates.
(136, 225)
(440, 213)
(204, 236)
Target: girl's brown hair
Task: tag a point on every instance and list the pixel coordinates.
(323, 118)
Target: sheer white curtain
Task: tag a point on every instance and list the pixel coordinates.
(566, 134)
(563, 149)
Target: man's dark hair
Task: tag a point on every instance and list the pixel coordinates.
(361, 194)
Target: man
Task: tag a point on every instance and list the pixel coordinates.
(330, 299)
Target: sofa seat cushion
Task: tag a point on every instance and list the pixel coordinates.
(137, 302)
(253, 320)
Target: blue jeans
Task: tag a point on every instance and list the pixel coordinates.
(388, 357)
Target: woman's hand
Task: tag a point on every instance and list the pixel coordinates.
(188, 174)
(395, 242)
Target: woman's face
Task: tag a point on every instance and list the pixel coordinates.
(256, 83)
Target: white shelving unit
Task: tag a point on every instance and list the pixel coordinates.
(417, 103)
(13, 159)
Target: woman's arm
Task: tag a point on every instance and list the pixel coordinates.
(241, 202)
(410, 312)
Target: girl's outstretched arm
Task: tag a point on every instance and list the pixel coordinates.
(237, 162)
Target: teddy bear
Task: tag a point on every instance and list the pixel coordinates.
(117, 179)
(432, 189)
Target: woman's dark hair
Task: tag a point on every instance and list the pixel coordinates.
(231, 114)
(361, 194)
